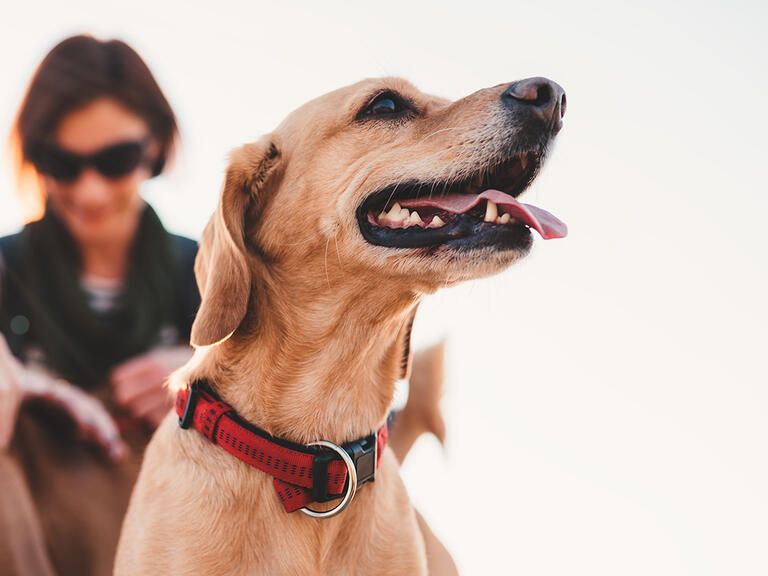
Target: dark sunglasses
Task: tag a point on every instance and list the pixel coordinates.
(114, 161)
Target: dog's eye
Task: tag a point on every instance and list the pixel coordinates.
(385, 104)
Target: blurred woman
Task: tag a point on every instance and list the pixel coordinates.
(96, 304)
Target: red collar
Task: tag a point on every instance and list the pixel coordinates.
(302, 474)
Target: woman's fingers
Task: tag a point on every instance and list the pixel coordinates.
(135, 378)
(153, 406)
(10, 394)
(146, 373)
(105, 436)
(9, 405)
(139, 383)
(7, 409)
(91, 417)
(155, 417)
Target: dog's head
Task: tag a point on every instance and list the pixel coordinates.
(385, 183)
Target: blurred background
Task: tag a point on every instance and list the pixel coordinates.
(613, 386)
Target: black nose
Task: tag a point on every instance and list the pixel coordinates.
(539, 95)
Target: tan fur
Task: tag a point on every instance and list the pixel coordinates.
(317, 318)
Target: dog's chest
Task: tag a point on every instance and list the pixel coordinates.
(376, 535)
(346, 554)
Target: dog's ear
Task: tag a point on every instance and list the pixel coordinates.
(222, 266)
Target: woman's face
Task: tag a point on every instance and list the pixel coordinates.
(95, 208)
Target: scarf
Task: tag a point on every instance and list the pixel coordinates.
(77, 343)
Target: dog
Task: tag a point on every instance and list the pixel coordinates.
(328, 233)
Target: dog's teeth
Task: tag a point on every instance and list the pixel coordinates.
(415, 219)
(404, 215)
(491, 211)
(436, 222)
(397, 215)
(504, 218)
(382, 215)
(394, 212)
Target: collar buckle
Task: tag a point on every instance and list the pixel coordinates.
(360, 458)
(364, 453)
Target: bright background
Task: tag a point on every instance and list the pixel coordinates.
(607, 399)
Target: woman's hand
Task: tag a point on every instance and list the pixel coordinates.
(18, 383)
(10, 393)
(139, 383)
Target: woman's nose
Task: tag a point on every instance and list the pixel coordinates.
(91, 188)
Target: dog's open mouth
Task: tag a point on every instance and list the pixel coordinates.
(481, 210)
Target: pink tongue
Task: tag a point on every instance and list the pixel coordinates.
(540, 220)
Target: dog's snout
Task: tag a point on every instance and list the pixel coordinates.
(539, 95)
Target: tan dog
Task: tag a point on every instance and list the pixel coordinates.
(310, 271)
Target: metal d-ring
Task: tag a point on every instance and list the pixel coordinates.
(351, 486)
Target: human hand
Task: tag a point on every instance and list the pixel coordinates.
(17, 383)
(10, 393)
(139, 383)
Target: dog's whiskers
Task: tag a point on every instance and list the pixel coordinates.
(428, 136)
(325, 259)
(338, 255)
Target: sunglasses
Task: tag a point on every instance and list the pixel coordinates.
(114, 161)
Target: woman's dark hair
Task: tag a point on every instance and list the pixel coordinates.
(76, 72)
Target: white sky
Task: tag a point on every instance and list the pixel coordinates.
(608, 398)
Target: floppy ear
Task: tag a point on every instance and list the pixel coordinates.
(222, 266)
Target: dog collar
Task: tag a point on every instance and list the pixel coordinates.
(301, 474)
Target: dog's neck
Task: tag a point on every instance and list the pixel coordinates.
(311, 363)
